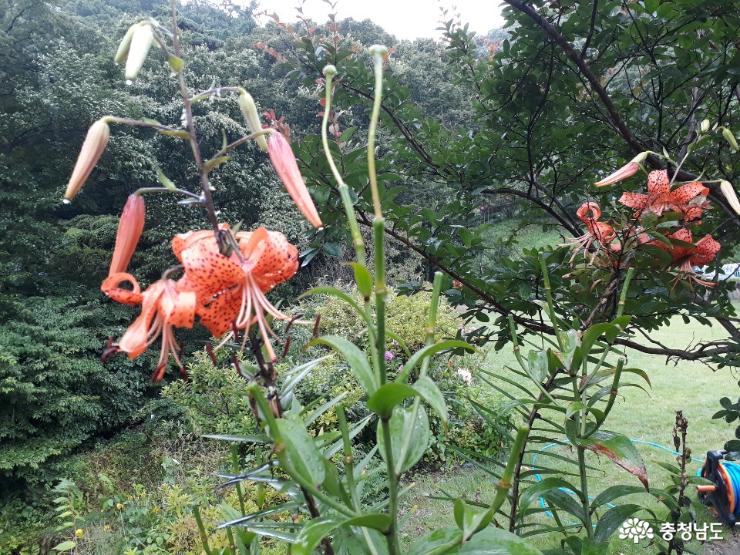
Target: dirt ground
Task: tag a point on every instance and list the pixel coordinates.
(729, 546)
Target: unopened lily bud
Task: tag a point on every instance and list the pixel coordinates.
(729, 192)
(92, 148)
(251, 117)
(284, 162)
(122, 51)
(640, 158)
(378, 50)
(730, 138)
(130, 228)
(705, 125)
(329, 71)
(141, 41)
(628, 170)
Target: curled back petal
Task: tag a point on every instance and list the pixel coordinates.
(111, 288)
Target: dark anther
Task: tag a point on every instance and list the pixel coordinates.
(108, 351)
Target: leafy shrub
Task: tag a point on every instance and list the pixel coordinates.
(406, 317)
(213, 400)
(54, 392)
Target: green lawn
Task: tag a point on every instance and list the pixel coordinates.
(691, 387)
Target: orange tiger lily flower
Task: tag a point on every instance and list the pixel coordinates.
(163, 307)
(284, 162)
(600, 233)
(231, 290)
(686, 254)
(688, 199)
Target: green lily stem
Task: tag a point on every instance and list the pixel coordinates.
(378, 53)
(202, 531)
(349, 209)
(430, 329)
(381, 292)
(503, 486)
(349, 464)
(392, 533)
(432, 319)
(550, 302)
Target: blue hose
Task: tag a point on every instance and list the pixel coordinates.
(733, 471)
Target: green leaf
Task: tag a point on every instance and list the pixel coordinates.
(260, 439)
(303, 457)
(573, 408)
(537, 365)
(178, 133)
(165, 181)
(614, 492)
(363, 279)
(539, 489)
(429, 391)
(428, 351)
(68, 545)
(355, 358)
(403, 424)
(377, 521)
(470, 518)
(613, 519)
(388, 396)
(620, 450)
(437, 543)
(311, 535)
(176, 64)
(214, 163)
(496, 541)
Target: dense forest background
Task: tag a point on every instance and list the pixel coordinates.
(480, 135)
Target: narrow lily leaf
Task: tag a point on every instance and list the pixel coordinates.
(388, 396)
(363, 279)
(438, 542)
(403, 424)
(254, 438)
(311, 535)
(613, 519)
(428, 351)
(542, 487)
(355, 358)
(620, 450)
(614, 492)
(428, 390)
(303, 457)
(496, 541)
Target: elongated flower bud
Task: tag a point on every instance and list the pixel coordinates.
(284, 162)
(130, 227)
(730, 195)
(123, 47)
(730, 138)
(141, 41)
(628, 170)
(92, 148)
(251, 117)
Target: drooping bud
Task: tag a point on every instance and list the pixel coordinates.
(628, 170)
(730, 138)
(704, 125)
(329, 71)
(125, 44)
(729, 192)
(94, 145)
(251, 117)
(130, 227)
(141, 41)
(284, 162)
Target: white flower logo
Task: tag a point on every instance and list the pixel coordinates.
(635, 530)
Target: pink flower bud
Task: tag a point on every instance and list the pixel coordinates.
(284, 162)
(130, 227)
(729, 192)
(92, 148)
(628, 170)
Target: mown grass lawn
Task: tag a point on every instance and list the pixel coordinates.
(649, 417)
